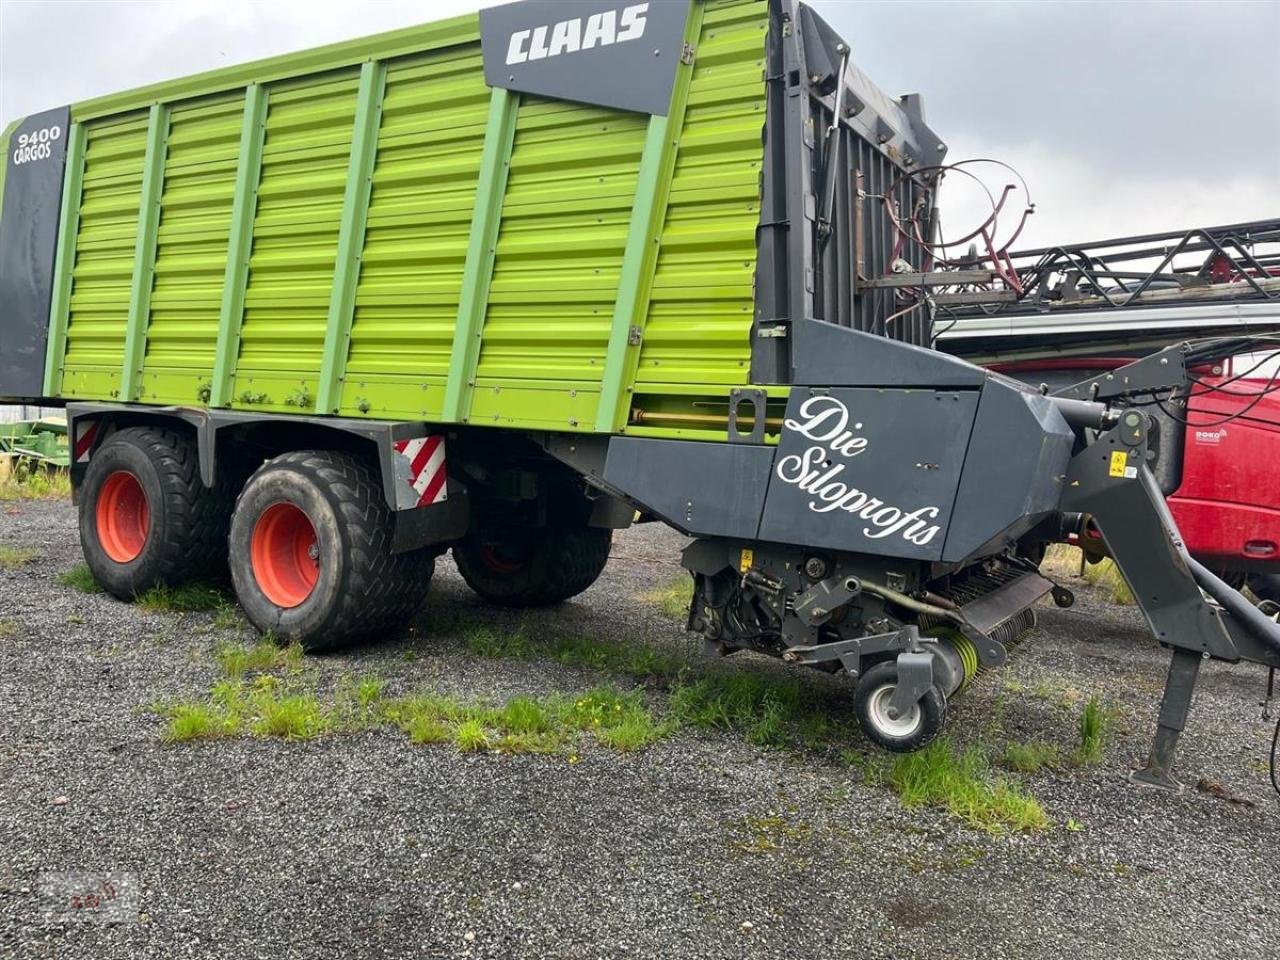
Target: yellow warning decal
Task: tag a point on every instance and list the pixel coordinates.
(746, 560)
(1119, 460)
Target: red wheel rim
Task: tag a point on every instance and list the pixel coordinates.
(122, 517)
(285, 555)
(498, 558)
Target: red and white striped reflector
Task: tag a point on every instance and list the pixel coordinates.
(427, 474)
(86, 434)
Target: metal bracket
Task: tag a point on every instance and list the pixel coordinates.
(816, 604)
(757, 399)
(1165, 370)
(915, 677)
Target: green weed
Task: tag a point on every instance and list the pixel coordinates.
(238, 659)
(30, 481)
(289, 716)
(960, 782)
(79, 578)
(768, 711)
(470, 736)
(1108, 576)
(1093, 731)
(200, 721)
(673, 599)
(187, 598)
(227, 616)
(1032, 757)
(8, 629)
(484, 641)
(637, 660)
(11, 558)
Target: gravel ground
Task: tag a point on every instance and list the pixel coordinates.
(368, 846)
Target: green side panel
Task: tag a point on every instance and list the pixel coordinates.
(462, 255)
(295, 241)
(647, 216)
(355, 209)
(192, 249)
(700, 311)
(477, 273)
(410, 40)
(625, 330)
(434, 114)
(99, 307)
(64, 260)
(253, 127)
(565, 222)
(144, 252)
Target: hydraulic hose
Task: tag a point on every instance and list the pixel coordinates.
(1253, 619)
(1086, 413)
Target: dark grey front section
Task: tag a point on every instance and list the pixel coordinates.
(611, 53)
(869, 471)
(702, 489)
(1014, 472)
(829, 355)
(35, 163)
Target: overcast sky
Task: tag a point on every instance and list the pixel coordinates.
(1124, 117)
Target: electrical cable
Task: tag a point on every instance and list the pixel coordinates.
(1275, 745)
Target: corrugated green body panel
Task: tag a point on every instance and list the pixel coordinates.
(99, 308)
(699, 325)
(295, 241)
(191, 251)
(424, 184)
(559, 260)
(322, 239)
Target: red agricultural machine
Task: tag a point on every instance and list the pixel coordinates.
(1058, 315)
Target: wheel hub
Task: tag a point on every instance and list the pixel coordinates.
(285, 555)
(122, 517)
(881, 714)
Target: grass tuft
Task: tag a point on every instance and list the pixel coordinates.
(484, 641)
(289, 716)
(11, 558)
(960, 782)
(470, 736)
(31, 481)
(200, 721)
(226, 616)
(768, 711)
(238, 659)
(1093, 732)
(187, 598)
(673, 599)
(1108, 576)
(8, 629)
(636, 660)
(79, 578)
(1032, 757)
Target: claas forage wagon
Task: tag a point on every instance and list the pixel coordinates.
(501, 284)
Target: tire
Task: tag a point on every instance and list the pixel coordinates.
(310, 553)
(532, 566)
(146, 519)
(924, 722)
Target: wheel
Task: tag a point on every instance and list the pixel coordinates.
(146, 519)
(917, 727)
(532, 566)
(310, 553)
